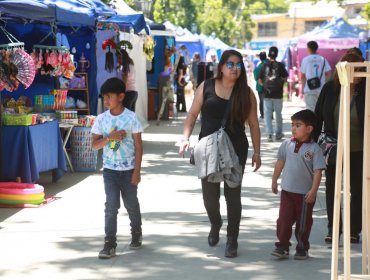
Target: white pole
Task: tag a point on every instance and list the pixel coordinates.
(366, 184)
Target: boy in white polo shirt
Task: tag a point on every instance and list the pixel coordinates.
(303, 161)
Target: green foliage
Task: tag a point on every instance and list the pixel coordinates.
(230, 20)
(366, 13)
(179, 12)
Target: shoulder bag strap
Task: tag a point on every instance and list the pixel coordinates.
(322, 71)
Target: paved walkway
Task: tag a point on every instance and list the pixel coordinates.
(62, 239)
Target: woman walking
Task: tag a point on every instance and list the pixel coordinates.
(212, 99)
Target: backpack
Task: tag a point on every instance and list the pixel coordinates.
(272, 81)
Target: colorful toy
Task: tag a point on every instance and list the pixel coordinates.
(12, 193)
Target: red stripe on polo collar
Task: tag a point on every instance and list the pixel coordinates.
(298, 144)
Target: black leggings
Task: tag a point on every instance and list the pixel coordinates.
(356, 193)
(211, 199)
(180, 100)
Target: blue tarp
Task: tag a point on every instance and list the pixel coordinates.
(74, 12)
(31, 9)
(137, 21)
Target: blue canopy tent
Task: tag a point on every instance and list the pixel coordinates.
(31, 9)
(191, 42)
(136, 21)
(126, 17)
(69, 12)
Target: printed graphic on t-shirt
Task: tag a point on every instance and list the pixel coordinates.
(118, 155)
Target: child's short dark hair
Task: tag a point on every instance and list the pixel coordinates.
(113, 85)
(306, 116)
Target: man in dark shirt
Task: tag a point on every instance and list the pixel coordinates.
(272, 77)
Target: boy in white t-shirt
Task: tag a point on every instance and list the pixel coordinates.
(303, 161)
(118, 132)
(313, 66)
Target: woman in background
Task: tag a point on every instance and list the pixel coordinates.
(180, 85)
(327, 112)
(129, 78)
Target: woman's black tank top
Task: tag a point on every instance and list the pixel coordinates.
(213, 111)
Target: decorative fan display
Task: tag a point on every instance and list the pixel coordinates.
(26, 67)
(109, 43)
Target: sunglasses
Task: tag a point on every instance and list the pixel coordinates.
(230, 65)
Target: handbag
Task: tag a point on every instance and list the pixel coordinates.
(328, 145)
(315, 82)
(223, 125)
(191, 160)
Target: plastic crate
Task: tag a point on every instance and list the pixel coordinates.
(84, 158)
(24, 119)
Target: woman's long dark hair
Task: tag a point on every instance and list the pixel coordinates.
(126, 60)
(241, 94)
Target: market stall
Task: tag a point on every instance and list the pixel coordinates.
(57, 42)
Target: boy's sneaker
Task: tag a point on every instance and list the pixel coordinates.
(301, 254)
(281, 253)
(279, 136)
(269, 138)
(136, 241)
(109, 251)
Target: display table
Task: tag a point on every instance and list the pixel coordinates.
(29, 150)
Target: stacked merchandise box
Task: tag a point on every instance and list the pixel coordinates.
(84, 158)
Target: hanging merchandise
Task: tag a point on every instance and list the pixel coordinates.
(148, 48)
(124, 44)
(84, 63)
(109, 59)
(53, 61)
(15, 64)
(26, 67)
(8, 72)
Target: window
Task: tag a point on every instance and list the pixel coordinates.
(310, 25)
(358, 11)
(267, 29)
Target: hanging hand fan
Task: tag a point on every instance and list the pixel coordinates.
(26, 67)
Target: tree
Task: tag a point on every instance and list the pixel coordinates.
(179, 12)
(366, 13)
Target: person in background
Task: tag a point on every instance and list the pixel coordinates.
(355, 50)
(118, 132)
(180, 84)
(129, 78)
(194, 68)
(212, 57)
(272, 77)
(327, 111)
(212, 99)
(259, 87)
(302, 161)
(313, 66)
